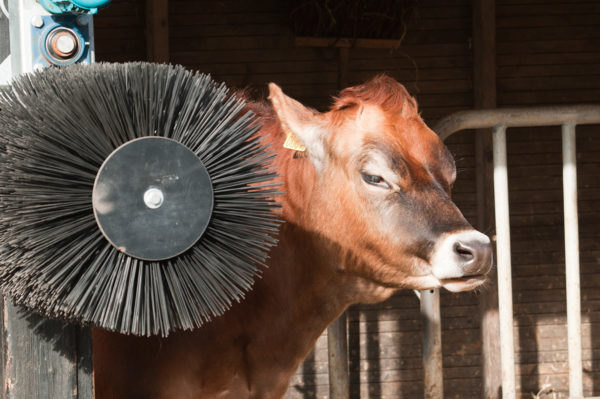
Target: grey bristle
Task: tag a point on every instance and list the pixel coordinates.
(58, 127)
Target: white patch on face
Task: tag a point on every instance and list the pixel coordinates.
(313, 138)
(445, 261)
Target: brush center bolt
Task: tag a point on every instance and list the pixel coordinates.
(62, 44)
(153, 198)
(65, 44)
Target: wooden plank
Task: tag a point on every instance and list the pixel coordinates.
(41, 358)
(542, 46)
(484, 89)
(255, 52)
(243, 29)
(302, 41)
(544, 2)
(117, 33)
(518, 21)
(337, 349)
(549, 9)
(187, 18)
(546, 83)
(526, 97)
(85, 363)
(588, 57)
(221, 44)
(226, 6)
(337, 333)
(395, 61)
(123, 46)
(157, 30)
(547, 33)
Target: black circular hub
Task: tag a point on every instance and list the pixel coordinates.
(152, 198)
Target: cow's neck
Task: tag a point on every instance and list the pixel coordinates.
(301, 293)
(298, 297)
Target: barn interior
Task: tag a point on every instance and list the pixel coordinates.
(451, 55)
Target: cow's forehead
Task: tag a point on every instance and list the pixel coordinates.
(403, 134)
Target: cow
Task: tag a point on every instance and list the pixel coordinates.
(367, 211)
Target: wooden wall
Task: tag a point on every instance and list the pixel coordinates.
(547, 53)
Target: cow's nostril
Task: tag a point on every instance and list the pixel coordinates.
(462, 254)
(464, 251)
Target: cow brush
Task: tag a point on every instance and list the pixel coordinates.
(133, 197)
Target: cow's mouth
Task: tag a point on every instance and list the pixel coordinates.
(463, 283)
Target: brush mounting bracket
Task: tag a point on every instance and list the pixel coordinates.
(152, 198)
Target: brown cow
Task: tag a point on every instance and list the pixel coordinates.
(367, 211)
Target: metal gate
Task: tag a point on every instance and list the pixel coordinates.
(499, 120)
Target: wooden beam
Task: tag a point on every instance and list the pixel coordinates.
(337, 349)
(484, 90)
(44, 358)
(307, 41)
(337, 335)
(157, 30)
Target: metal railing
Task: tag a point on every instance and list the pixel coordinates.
(499, 120)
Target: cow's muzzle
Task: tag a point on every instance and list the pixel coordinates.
(461, 260)
(473, 254)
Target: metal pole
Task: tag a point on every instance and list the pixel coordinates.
(433, 376)
(504, 264)
(337, 344)
(522, 117)
(572, 260)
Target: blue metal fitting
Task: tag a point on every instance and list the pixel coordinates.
(74, 6)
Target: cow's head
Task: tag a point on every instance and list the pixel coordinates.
(382, 190)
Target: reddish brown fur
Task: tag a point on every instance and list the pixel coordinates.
(327, 259)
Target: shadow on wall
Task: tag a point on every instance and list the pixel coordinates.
(308, 389)
(364, 353)
(541, 346)
(384, 343)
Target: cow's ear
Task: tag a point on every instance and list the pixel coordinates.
(305, 128)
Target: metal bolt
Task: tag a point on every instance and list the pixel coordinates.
(37, 21)
(66, 44)
(153, 198)
(82, 20)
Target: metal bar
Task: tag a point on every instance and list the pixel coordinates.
(337, 345)
(433, 377)
(521, 117)
(572, 260)
(504, 264)
(500, 119)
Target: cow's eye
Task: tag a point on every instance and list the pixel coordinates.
(375, 180)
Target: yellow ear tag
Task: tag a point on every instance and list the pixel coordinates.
(292, 143)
